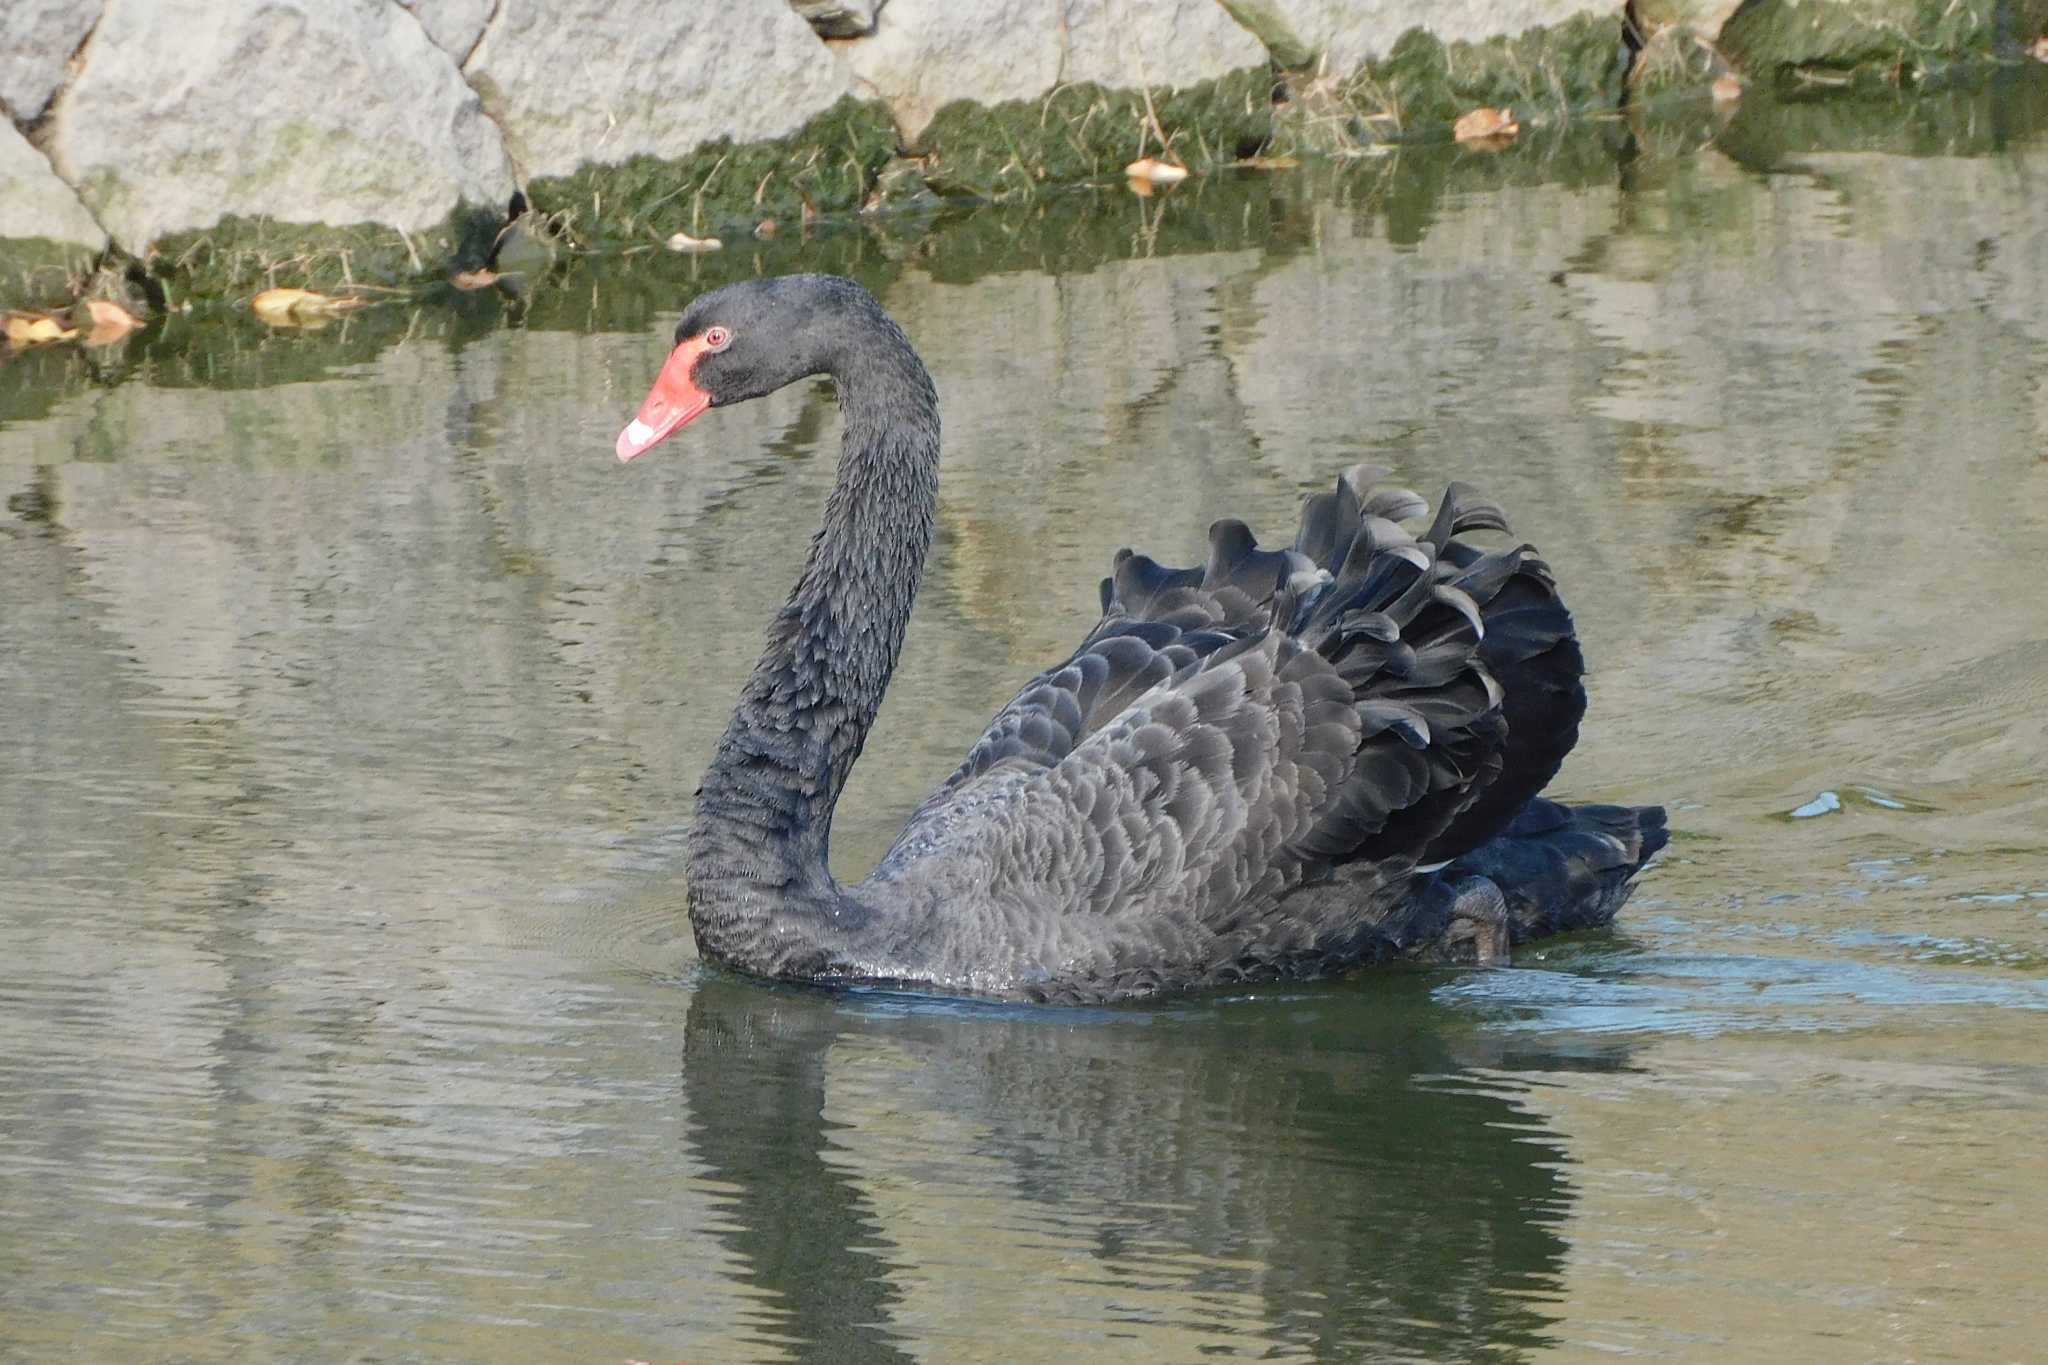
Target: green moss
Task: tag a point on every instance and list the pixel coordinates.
(2024, 21)
(1082, 132)
(242, 255)
(38, 273)
(1080, 229)
(1424, 84)
(1878, 38)
(1670, 62)
(634, 291)
(827, 166)
(1980, 112)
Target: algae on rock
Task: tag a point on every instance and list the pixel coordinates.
(238, 255)
(1425, 81)
(825, 166)
(1879, 38)
(1079, 132)
(1423, 84)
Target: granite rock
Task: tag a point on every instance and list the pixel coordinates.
(37, 38)
(455, 25)
(587, 82)
(34, 203)
(838, 18)
(1341, 35)
(925, 54)
(187, 112)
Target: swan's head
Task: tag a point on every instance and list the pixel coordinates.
(746, 340)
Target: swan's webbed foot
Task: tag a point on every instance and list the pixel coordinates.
(1476, 930)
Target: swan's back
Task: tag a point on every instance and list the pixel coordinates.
(1238, 771)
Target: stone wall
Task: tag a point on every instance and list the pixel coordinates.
(244, 133)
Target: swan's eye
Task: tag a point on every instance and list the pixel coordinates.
(717, 339)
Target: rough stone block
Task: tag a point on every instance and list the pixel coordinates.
(307, 111)
(34, 203)
(1344, 34)
(838, 18)
(454, 25)
(37, 38)
(47, 239)
(588, 82)
(925, 54)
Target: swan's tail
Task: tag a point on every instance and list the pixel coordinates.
(1461, 662)
(1559, 868)
(1406, 617)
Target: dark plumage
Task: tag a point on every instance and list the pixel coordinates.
(1249, 770)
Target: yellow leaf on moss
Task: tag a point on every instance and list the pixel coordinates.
(290, 307)
(1487, 127)
(34, 329)
(107, 313)
(1155, 172)
(110, 322)
(278, 304)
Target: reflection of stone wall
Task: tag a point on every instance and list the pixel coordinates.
(1697, 382)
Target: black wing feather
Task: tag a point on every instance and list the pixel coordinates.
(1337, 710)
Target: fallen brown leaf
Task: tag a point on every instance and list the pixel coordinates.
(291, 307)
(1268, 163)
(683, 241)
(295, 307)
(1155, 172)
(107, 313)
(2039, 51)
(1496, 127)
(1727, 89)
(765, 228)
(473, 279)
(110, 322)
(279, 303)
(34, 329)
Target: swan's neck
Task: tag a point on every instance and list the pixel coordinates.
(762, 835)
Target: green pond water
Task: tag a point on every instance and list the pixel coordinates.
(352, 697)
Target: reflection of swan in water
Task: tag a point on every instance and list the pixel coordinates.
(1305, 1158)
(1248, 770)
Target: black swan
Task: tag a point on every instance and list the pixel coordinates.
(1279, 765)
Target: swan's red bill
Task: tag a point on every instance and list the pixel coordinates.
(673, 401)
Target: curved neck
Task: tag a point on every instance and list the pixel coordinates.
(762, 833)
